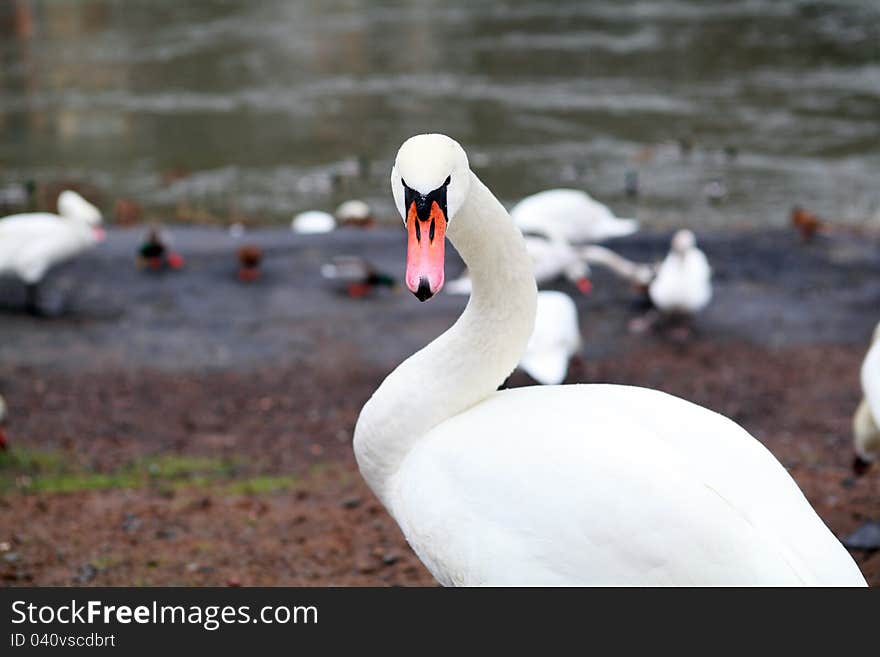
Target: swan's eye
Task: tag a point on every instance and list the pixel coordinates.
(448, 180)
(403, 182)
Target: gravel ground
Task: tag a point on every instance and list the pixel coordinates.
(185, 428)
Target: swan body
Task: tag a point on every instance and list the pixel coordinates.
(34, 242)
(571, 215)
(559, 485)
(866, 435)
(554, 340)
(683, 281)
(312, 222)
(551, 259)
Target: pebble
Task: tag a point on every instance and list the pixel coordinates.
(351, 503)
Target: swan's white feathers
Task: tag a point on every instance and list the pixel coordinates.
(521, 490)
(683, 282)
(570, 214)
(867, 434)
(32, 243)
(554, 340)
(73, 206)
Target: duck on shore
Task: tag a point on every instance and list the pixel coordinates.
(155, 252)
(806, 223)
(357, 274)
(34, 242)
(249, 258)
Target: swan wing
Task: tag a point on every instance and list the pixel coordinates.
(612, 485)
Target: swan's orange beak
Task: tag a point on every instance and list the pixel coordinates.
(425, 251)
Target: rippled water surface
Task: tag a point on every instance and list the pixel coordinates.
(268, 107)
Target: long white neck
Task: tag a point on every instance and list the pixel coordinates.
(470, 360)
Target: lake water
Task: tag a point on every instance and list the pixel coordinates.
(273, 106)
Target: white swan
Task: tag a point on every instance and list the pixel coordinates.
(312, 222)
(636, 273)
(570, 214)
(579, 484)
(683, 283)
(34, 242)
(866, 435)
(551, 258)
(554, 340)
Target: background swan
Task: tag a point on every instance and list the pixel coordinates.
(570, 214)
(34, 242)
(683, 281)
(597, 484)
(555, 339)
(866, 435)
(551, 259)
(636, 273)
(313, 221)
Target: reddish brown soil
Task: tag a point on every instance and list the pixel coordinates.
(328, 529)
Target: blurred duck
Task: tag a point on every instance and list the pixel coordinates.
(555, 339)
(357, 274)
(866, 435)
(3, 443)
(355, 213)
(551, 259)
(683, 284)
(806, 223)
(249, 258)
(155, 252)
(313, 221)
(638, 274)
(569, 214)
(34, 242)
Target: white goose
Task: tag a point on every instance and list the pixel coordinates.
(570, 214)
(683, 282)
(551, 259)
(866, 435)
(580, 484)
(34, 242)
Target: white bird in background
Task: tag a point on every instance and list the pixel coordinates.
(554, 340)
(551, 259)
(355, 213)
(636, 273)
(569, 214)
(313, 221)
(576, 484)
(34, 242)
(866, 435)
(683, 282)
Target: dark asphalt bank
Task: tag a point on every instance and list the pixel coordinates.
(770, 290)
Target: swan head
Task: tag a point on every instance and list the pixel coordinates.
(683, 241)
(430, 181)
